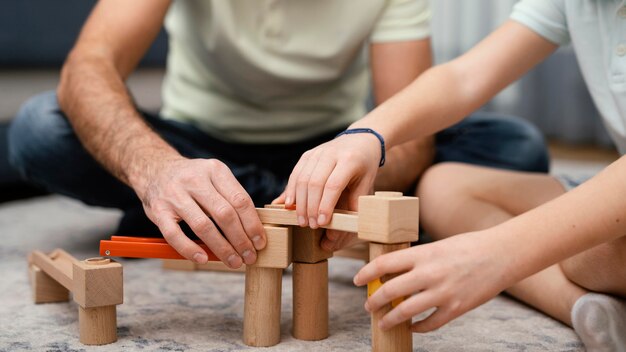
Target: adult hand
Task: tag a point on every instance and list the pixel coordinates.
(343, 167)
(454, 275)
(194, 190)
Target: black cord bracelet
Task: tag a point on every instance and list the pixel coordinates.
(369, 130)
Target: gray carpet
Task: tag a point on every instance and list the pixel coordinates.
(201, 311)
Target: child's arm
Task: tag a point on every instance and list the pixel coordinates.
(459, 273)
(440, 97)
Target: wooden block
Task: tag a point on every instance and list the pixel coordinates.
(310, 301)
(261, 323)
(398, 338)
(97, 326)
(358, 251)
(57, 265)
(341, 220)
(277, 252)
(219, 266)
(98, 282)
(46, 289)
(307, 245)
(388, 217)
(178, 264)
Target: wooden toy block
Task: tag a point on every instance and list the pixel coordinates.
(342, 220)
(261, 323)
(96, 285)
(187, 265)
(277, 252)
(398, 338)
(310, 300)
(388, 217)
(359, 251)
(307, 245)
(46, 289)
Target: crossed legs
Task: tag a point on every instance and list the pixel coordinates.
(458, 198)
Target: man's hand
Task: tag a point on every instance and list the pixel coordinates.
(453, 275)
(203, 193)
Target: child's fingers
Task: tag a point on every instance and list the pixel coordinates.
(409, 308)
(280, 199)
(400, 286)
(433, 322)
(401, 260)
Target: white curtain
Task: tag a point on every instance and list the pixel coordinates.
(553, 95)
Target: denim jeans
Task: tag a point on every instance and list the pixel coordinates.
(44, 149)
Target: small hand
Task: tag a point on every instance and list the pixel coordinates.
(194, 190)
(345, 166)
(454, 275)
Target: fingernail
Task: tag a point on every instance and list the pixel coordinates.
(301, 220)
(288, 200)
(234, 261)
(247, 256)
(200, 258)
(312, 223)
(367, 306)
(321, 219)
(258, 242)
(355, 280)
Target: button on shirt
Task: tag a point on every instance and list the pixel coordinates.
(597, 31)
(267, 71)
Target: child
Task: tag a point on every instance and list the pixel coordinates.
(513, 225)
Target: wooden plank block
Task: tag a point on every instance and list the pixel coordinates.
(219, 266)
(145, 247)
(341, 220)
(59, 268)
(398, 338)
(98, 282)
(307, 245)
(358, 251)
(178, 264)
(310, 301)
(45, 289)
(277, 253)
(262, 303)
(388, 217)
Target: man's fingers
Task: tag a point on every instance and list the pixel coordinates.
(237, 197)
(173, 234)
(280, 199)
(205, 229)
(385, 264)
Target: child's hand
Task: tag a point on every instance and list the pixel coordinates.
(454, 275)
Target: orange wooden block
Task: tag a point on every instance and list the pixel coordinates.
(145, 247)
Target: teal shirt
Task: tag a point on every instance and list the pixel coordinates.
(597, 31)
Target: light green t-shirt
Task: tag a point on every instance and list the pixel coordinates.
(278, 71)
(597, 31)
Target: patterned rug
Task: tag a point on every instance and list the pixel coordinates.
(202, 311)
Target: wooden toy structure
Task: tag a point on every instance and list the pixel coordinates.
(387, 220)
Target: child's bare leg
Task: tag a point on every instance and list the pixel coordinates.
(458, 198)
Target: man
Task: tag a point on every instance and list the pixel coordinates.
(249, 87)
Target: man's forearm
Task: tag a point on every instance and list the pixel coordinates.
(95, 100)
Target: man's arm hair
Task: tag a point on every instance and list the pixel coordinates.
(93, 95)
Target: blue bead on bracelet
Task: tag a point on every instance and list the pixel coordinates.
(369, 130)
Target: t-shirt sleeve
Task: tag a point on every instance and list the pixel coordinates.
(403, 20)
(545, 17)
